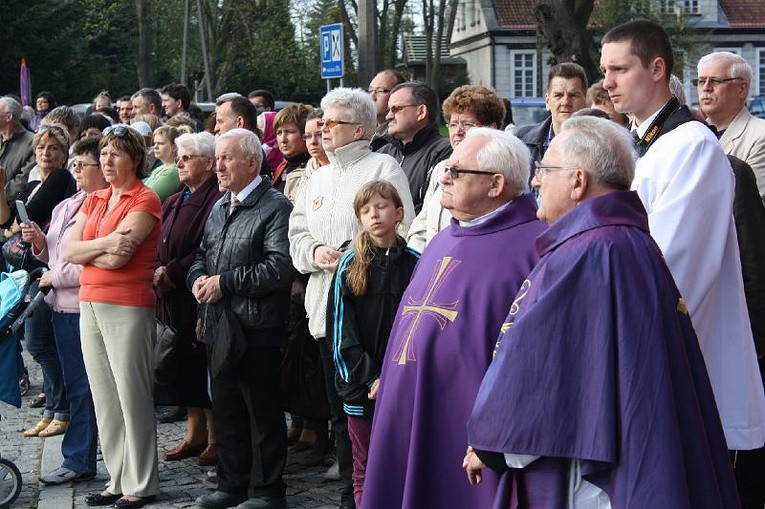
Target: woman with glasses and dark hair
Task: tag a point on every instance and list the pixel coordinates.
(466, 107)
(115, 239)
(55, 183)
(80, 440)
(323, 222)
(184, 216)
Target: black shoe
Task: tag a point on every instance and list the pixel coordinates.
(219, 500)
(134, 504)
(96, 499)
(264, 503)
(38, 402)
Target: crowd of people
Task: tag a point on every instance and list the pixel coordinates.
(552, 316)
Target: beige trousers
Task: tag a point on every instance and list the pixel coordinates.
(118, 346)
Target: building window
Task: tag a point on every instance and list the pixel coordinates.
(677, 6)
(522, 73)
(760, 72)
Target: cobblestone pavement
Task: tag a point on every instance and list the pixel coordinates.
(181, 482)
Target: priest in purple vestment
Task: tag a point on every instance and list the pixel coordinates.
(598, 396)
(444, 334)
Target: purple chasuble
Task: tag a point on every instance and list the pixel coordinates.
(440, 346)
(599, 362)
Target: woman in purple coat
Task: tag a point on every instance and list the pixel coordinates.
(183, 220)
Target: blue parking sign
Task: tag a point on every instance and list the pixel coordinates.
(332, 50)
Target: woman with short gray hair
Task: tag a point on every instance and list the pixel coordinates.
(323, 223)
(183, 221)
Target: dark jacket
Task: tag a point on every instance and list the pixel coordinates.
(536, 139)
(18, 158)
(183, 223)
(417, 158)
(359, 327)
(749, 215)
(250, 251)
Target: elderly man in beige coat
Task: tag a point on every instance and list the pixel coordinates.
(723, 87)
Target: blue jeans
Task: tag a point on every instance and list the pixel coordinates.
(79, 445)
(38, 333)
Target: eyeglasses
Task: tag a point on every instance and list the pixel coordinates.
(395, 109)
(330, 123)
(379, 90)
(541, 169)
(454, 126)
(314, 136)
(118, 130)
(455, 172)
(53, 128)
(703, 81)
(185, 158)
(79, 165)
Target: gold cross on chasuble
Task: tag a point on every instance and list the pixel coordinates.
(442, 313)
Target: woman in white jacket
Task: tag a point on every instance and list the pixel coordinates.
(323, 222)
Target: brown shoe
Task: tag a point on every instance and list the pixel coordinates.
(184, 450)
(209, 456)
(37, 428)
(55, 427)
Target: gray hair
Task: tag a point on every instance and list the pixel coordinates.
(248, 142)
(739, 67)
(505, 154)
(202, 144)
(12, 106)
(602, 148)
(228, 96)
(676, 87)
(357, 103)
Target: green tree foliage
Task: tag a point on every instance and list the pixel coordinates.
(74, 48)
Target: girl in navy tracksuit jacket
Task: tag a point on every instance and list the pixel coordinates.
(363, 301)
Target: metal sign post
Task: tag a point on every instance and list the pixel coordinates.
(332, 53)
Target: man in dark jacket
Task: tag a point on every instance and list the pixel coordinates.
(17, 157)
(243, 276)
(413, 138)
(566, 94)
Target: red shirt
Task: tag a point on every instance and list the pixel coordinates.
(130, 285)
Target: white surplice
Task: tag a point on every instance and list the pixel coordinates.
(687, 186)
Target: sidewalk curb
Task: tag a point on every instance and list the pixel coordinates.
(54, 497)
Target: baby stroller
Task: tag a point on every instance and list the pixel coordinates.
(13, 311)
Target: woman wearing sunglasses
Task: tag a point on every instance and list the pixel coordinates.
(115, 239)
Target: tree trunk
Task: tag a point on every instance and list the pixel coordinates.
(564, 26)
(145, 50)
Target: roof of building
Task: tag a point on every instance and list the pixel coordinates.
(744, 13)
(519, 14)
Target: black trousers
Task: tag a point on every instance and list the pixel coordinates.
(250, 429)
(339, 421)
(749, 467)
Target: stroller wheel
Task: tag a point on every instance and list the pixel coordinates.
(24, 382)
(10, 483)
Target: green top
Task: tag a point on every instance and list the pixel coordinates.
(164, 181)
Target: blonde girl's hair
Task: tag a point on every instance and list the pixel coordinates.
(358, 268)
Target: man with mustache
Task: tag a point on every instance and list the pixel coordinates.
(723, 87)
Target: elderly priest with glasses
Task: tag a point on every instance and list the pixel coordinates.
(446, 326)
